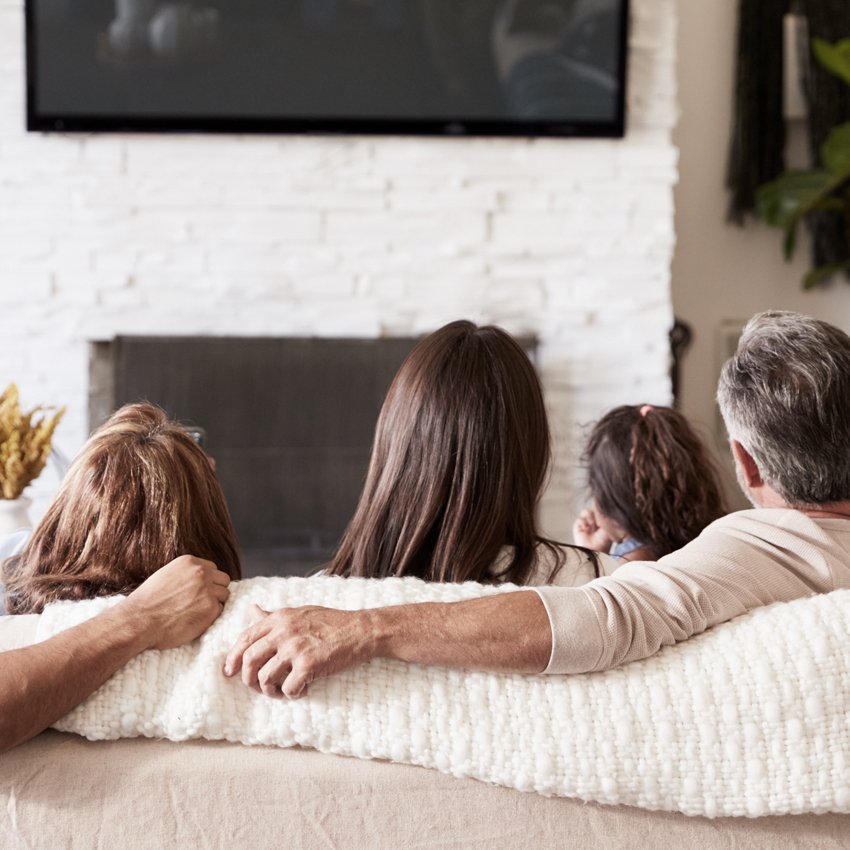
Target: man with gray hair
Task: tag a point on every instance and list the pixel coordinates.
(785, 398)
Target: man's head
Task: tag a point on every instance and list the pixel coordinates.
(785, 398)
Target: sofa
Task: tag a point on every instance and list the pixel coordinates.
(60, 790)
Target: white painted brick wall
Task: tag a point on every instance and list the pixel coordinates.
(570, 240)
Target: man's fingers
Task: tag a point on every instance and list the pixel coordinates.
(219, 577)
(233, 662)
(221, 593)
(273, 672)
(256, 613)
(294, 646)
(256, 630)
(254, 659)
(295, 684)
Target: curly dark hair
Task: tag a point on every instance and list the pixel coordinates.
(650, 472)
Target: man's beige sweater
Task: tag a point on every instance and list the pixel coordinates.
(742, 561)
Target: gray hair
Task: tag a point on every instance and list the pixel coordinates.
(785, 397)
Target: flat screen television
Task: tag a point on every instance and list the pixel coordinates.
(477, 67)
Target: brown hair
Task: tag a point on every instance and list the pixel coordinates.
(140, 493)
(459, 460)
(649, 472)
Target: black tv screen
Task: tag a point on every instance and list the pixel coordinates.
(480, 67)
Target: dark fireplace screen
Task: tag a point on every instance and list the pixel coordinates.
(289, 422)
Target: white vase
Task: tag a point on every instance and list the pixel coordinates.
(13, 514)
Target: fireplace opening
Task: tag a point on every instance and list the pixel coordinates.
(289, 422)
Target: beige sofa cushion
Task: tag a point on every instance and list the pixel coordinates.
(63, 791)
(748, 718)
(59, 790)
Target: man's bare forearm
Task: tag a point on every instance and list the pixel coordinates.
(283, 651)
(504, 633)
(43, 682)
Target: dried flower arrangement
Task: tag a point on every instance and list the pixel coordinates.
(24, 443)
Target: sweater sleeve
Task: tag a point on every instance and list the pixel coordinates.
(739, 563)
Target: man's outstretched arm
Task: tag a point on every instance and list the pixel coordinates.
(283, 651)
(41, 683)
(737, 564)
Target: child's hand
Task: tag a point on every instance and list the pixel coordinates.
(587, 533)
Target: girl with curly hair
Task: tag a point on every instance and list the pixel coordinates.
(653, 485)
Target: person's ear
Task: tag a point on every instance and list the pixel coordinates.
(744, 460)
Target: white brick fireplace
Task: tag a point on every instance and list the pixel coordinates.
(566, 240)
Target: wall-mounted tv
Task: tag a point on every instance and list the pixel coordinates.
(477, 67)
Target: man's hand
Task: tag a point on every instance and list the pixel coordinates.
(178, 602)
(282, 652)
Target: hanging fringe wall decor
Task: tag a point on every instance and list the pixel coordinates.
(828, 104)
(756, 153)
(758, 132)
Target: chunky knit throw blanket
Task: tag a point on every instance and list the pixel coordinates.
(750, 718)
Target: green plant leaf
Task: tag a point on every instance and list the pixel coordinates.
(787, 200)
(835, 151)
(834, 57)
(821, 273)
(826, 199)
(789, 243)
(777, 201)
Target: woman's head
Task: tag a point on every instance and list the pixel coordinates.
(459, 460)
(140, 493)
(649, 472)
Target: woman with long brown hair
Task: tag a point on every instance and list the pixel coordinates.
(459, 461)
(140, 493)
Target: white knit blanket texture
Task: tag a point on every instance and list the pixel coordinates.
(750, 718)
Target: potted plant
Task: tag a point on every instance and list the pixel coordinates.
(25, 443)
(794, 195)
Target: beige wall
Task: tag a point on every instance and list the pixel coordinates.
(722, 272)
